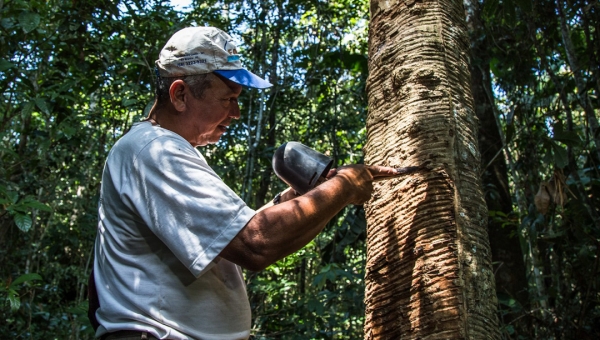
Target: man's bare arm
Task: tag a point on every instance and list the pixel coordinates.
(282, 229)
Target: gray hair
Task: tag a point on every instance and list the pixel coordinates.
(198, 83)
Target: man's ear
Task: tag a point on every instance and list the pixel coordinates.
(178, 92)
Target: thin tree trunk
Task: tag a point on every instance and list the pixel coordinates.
(506, 249)
(265, 181)
(253, 142)
(429, 271)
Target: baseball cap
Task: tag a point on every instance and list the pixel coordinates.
(199, 50)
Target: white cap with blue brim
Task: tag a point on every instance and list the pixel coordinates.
(199, 50)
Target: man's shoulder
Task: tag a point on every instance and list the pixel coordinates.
(145, 142)
(144, 134)
(146, 130)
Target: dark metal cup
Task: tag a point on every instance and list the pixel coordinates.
(300, 166)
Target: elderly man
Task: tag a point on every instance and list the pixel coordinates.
(172, 237)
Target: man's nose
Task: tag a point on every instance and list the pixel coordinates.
(235, 111)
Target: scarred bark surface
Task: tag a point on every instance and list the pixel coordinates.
(429, 272)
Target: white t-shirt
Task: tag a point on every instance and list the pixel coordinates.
(164, 217)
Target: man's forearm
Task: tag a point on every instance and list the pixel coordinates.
(282, 229)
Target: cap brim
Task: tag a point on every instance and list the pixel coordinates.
(244, 78)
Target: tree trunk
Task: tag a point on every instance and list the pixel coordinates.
(429, 271)
(265, 178)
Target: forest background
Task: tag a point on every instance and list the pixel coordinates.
(75, 75)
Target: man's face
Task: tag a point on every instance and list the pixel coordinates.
(209, 117)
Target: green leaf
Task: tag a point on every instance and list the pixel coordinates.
(8, 151)
(490, 8)
(77, 311)
(23, 222)
(5, 65)
(137, 61)
(319, 280)
(67, 129)
(25, 278)
(148, 107)
(7, 22)
(74, 26)
(560, 155)
(35, 204)
(570, 138)
(27, 109)
(29, 21)
(14, 300)
(19, 208)
(129, 102)
(12, 196)
(494, 62)
(41, 104)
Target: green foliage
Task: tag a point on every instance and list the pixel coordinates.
(318, 292)
(76, 74)
(544, 59)
(20, 209)
(318, 100)
(11, 291)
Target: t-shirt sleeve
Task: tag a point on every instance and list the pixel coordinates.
(184, 202)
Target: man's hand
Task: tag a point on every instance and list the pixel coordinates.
(361, 178)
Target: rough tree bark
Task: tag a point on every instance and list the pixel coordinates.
(429, 271)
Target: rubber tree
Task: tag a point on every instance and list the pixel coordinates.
(429, 270)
